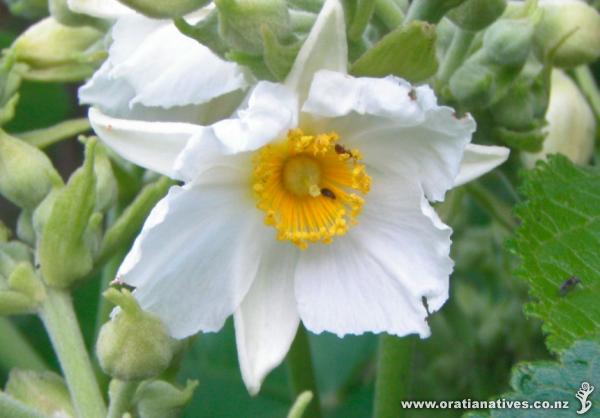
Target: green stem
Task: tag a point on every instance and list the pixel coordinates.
(302, 21)
(360, 20)
(121, 394)
(43, 138)
(494, 206)
(588, 85)
(389, 12)
(16, 351)
(16, 409)
(60, 321)
(394, 358)
(427, 10)
(461, 42)
(301, 372)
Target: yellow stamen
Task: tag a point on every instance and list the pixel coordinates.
(308, 188)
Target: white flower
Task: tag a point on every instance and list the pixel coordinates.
(311, 203)
(155, 73)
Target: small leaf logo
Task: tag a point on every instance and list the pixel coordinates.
(582, 395)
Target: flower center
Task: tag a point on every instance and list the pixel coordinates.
(310, 187)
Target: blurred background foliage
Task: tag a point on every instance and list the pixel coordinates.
(477, 337)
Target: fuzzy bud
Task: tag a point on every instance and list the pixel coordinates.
(569, 32)
(159, 399)
(571, 124)
(135, 344)
(475, 15)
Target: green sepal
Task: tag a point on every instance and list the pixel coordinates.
(106, 184)
(278, 58)
(475, 15)
(16, 303)
(24, 280)
(407, 52)
(508, 41)
(63, 251)
(206, 31)
(160, 399)
(26, 173)
(529, 141)
(164, 9)
(8, 109)
(46, 392)
(25, 230)
(13, 253)
(240, 22)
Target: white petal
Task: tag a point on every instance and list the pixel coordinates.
(325, 48)
(196, 256)
(404, 133)
(185, 72)
(106, 9)
(374, 278)
(105, 92)
(152, 145)
(271, 111)
(267, 320)
(478, 160)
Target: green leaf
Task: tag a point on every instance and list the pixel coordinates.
(552, 382)
(407, 52)
(559, 238)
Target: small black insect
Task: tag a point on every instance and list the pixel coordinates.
(412, 94)
(341, 150)
(119, 284)
(328, 193)
(569, 285)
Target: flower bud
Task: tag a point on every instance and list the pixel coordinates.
(475, 15)
(165, 9)
(106, 184)
(135, 344)
(240, 22)
(21, 291)
(25, 230)
(569, 32)
(571, 124)
(159, 399)
(45, 392)
(63, 251)
(26, 173)
(5, 233)
(473, 84)
(10, 80)
(63, 52)
(508, 41)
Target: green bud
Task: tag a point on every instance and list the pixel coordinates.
(42, 212)
(20, 289)
(313, 6)
(165, 8)
(524, 105)
(49, 43)
(430, 10)
(473, 84)
(529, 140)
(63, 251)
(26, 173)
(135, 344)
(159, 399)
(475, 15)
(45, 392)
(508, 41)
(241, 21)
(571, 124)
(15, 303)
(569, 32)
(106, 184)
(7, 111)
(29, 9)
(11, 254)
(407, 52)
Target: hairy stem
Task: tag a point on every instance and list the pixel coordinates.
(301, 372)
(121, 393)
(461, 42)
(389, 12)
(60, 321)
(394, 358)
